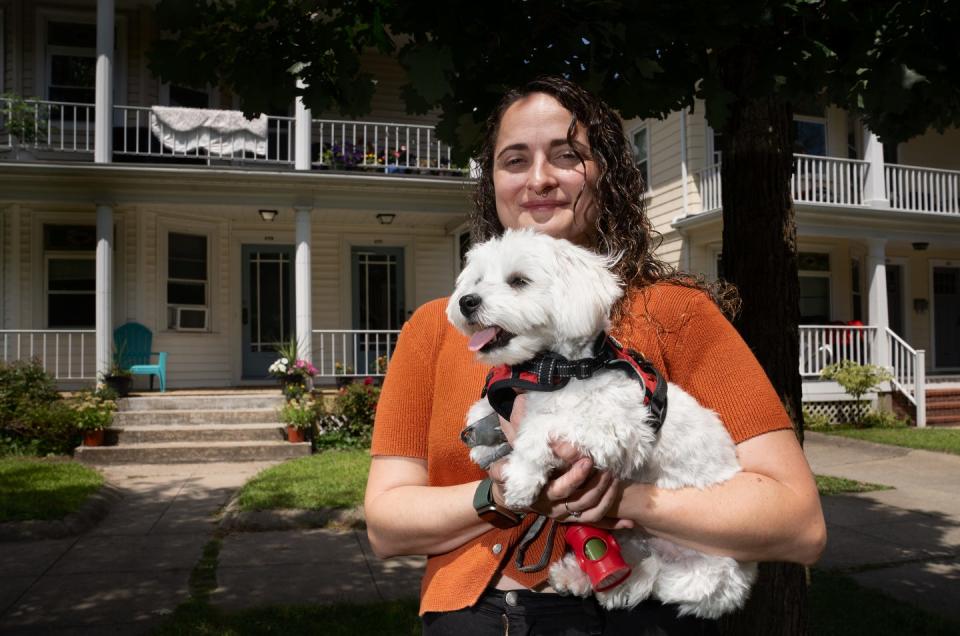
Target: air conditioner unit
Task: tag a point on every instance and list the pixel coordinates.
(191, 319)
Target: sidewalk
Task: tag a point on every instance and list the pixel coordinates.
(906, 541)
(132, 569)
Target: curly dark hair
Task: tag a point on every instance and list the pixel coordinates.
(622, 226)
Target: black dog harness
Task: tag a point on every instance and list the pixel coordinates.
(550, 372)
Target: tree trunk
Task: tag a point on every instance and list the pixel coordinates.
(760, 258)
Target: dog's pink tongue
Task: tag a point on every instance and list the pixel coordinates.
(479, 339)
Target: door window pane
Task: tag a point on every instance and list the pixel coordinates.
(71, 292)
(814, 300)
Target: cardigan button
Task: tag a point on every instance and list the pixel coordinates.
(497, 548)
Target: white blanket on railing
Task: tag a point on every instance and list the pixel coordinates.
(219, 132)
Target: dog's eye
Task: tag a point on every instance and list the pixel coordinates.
(517, 281)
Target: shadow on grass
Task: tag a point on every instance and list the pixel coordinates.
(32, 488)
(392, 617)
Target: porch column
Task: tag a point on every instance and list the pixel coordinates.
(875, 189)
(104, 285)
(301, 277)
(103, 101)
(302, 125)
(877, 298)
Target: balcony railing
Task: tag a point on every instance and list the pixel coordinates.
(66, 354)
(381, 146)
(141, 134)
(708, 184)
(828, 180)
(45, 125)
(353, 353)
(923, 189)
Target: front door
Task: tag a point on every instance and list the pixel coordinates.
(946, 316)
(267, 312)
(378, 302)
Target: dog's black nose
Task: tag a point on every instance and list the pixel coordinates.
(469, 304)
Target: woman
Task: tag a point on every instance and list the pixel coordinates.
(556, 159)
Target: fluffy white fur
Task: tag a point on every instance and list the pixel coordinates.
(555, 296)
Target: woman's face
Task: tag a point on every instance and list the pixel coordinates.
(537, 178)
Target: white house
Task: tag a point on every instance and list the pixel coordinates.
(133, 200)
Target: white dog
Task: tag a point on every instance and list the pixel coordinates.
(524, 294)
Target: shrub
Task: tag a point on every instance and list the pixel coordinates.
(21, 384)
(49, 428)
(883, 419)
(350, 424)
(816, 421)
(856, 379)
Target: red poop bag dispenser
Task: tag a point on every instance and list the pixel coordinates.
(598, 554)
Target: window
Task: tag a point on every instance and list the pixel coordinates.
(463, 246)
(188, 97)
(641, 153)
(810, 136)
(187, 281)
(714, 154)
(814, 288)
(71, 61)
(70, 262)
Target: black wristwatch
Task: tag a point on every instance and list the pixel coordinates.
(490, 511)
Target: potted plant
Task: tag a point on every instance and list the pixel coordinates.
(343, 374)
(298, 414)
(94, 413)
(23, 121)
(294, 373)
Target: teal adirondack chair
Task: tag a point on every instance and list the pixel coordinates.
(133, 342)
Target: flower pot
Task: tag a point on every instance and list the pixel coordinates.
(119, 383)
(296, 435)
(93, 438)
(292, 388)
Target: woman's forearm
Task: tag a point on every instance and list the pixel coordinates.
(750, 517)
(415, 519)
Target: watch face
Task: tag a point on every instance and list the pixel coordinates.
(498, 517)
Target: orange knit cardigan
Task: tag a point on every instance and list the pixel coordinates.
(433, 380)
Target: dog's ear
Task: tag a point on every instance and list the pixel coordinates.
(585, 291)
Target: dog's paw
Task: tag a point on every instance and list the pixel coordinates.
(636, 589)
(566, 577)
(521, 487)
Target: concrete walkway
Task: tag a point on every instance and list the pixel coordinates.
(132, 569)
(906, 541)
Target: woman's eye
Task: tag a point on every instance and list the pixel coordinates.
(516, 281)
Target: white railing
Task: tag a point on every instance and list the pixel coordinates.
(909, 374)
(381, 146)
(59, 126)
(708, 184)
(828, 180)
(142, 133)
(353, 352)
(923, 189)
(822, 345)
(66, 354)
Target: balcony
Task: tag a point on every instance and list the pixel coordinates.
(157, 135)
(832, 181)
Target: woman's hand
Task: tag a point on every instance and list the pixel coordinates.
(576, 492)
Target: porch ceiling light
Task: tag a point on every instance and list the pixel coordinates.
(386, 218)
(921, 246)
(268, 215)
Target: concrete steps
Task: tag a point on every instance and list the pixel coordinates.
(195, 428)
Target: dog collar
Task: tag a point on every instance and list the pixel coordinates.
(550, 371)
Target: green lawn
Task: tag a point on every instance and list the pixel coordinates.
(331, 479)
(945, 440)
(828, 485)
(45, 489)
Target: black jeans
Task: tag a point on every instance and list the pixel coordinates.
(526, 613)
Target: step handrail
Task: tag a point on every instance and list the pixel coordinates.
(908, 367)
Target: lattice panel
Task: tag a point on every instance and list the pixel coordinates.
(836, 411)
